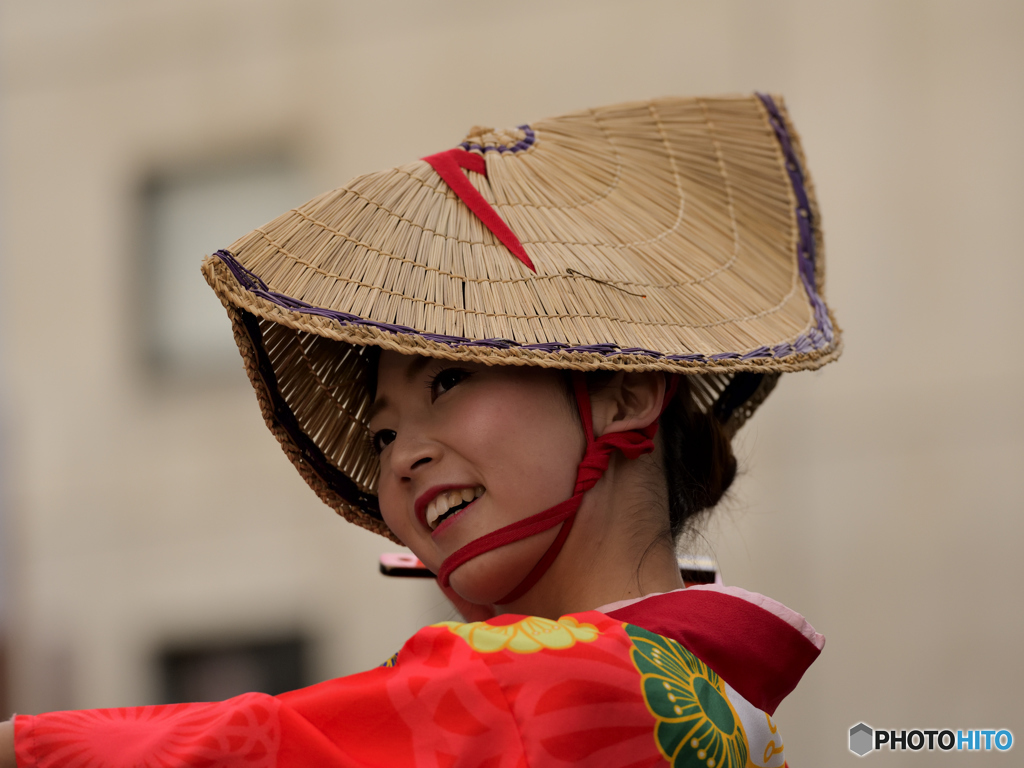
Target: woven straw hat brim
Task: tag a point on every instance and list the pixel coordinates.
(677, 235)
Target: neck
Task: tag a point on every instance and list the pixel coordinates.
(618, 549)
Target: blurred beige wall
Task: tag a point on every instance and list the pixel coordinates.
(881, 497)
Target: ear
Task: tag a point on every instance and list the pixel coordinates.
(628, 401)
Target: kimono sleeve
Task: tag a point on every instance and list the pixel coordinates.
(432, 708)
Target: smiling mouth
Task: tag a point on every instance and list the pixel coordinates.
(449, 503)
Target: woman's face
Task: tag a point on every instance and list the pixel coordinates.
(466, 449)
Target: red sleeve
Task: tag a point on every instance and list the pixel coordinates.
(508, 693)
(429, 709)
(244, 731)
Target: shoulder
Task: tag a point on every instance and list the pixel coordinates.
(760, 647)
(722, 656)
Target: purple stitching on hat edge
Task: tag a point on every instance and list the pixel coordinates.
(519, 146)
(806, 248)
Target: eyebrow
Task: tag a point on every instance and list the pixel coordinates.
(414, 369)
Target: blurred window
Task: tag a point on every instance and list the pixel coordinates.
(188, 215)
(221, 670)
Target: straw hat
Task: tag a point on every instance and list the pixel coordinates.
(677, 235)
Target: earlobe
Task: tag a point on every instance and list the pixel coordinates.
(630, 400)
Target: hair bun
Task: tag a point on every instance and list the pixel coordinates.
(699, 462)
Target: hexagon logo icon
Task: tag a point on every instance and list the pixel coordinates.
(861, 738)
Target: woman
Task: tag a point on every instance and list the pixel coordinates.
(473, 355)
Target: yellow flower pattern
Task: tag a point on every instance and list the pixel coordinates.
(527, 635)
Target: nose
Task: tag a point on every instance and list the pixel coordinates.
(410, 455)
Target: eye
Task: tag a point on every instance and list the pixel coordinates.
(446, 380)
(382, 439)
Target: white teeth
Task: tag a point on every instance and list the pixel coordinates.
(437, 508)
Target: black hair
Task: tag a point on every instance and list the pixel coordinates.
(698, 460)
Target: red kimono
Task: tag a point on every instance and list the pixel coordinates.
(686, 678)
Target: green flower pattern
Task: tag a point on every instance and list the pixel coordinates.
(697, 725)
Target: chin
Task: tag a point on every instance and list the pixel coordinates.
(486, 579)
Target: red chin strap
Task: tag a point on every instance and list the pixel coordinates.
(633, 444)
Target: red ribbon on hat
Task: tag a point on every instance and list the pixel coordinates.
(449, 165)
(632, 443)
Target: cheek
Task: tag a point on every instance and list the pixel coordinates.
(392, 509)
(528, 448)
